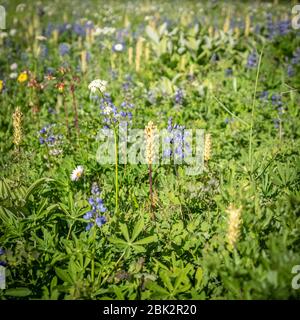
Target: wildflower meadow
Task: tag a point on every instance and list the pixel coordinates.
(149, 150)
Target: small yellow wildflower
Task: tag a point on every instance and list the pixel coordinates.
(22, 77)
(1, 85)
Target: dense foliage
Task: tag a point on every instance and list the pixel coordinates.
(68, 231)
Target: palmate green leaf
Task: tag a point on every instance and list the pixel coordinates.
(119, 241)
(137, 229)
(63, 275)
(124, 231)
(138, 248)
(158, 291)
(198, 277)
(146, 240)
(165, 277)
(182, 279)
(18, 292)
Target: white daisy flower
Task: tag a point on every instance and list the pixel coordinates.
(118, 47)
(98, 84)
(77, 173)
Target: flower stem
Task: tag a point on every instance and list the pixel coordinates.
(116, 171)
(75, 108)
(151, 190)
(252, 112)
(93, 254)
(66, 115)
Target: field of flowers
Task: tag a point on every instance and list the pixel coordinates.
(149, 150)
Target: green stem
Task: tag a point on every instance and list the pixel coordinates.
(116, 171)
(93, 254)
(69, 232)
(252, 112)
(107, 276)
(226, 109)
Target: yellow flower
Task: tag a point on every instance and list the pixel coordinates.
(207, 147)
(234, 225)
(150, 133)
(22, 77)
(1, 85)
(17, 125)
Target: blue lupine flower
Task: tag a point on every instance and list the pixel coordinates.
(49, 29)
(252, 60)
(100, 221)
(276, 100)
(176, 139)
(63, 49)
(178, 97)
(2, 251)
(95, 215)
(46, 136)
(79, 30)
(89, 226)
(283, 27)
(280, 110)
(95, 189)
(51, 140)
(43, 130)
(271, 31)
(264, 95)
(88, 215)
(126, 86)
(63, 28)
(42, 140)
(91, 201)
(276, 123)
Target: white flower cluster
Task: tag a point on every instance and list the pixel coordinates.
(105, 31)
(98, 84)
